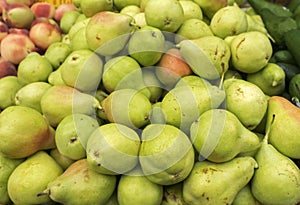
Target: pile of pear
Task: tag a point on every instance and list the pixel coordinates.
(151, 102)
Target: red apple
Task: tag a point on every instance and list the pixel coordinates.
(18, 16)
(61, 9)
(43, 9)
(15, 47)
(44, 33)
(3, 30)
(7, 68)
(3, 4)
(19, 31)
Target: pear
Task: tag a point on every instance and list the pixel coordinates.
(207, 56)
(120, 4)
(212, 183)
(182, 105)
(245, 197)
(90, 7)
(191, 10)
(250, 51)
(128, 107)
(152, 83)
(78, 184)
(67, 20)
(156, 114)
(294, 87)
(242, 95)
(219, 136)
(123, 72)
(210, 7)
(284, 132)
(107, 32)
(9, 86)
(192, 80)
(113, 200)
(55, 78)
(31, 177)
(63, 161)
(166, 154)
(133, 186)
(77, 26)
(131, 10)
(270, 79)
(7, 167)
(69, 100)
(113, 149)
(173, 195)
(24, 131)
(228, 21)
(56, 53)
(140, 19)
(277, 180)
(146, 45)
(72, 134)
(30, 95)
(165, 15)
(255, 23)
(78, 41)
(34, 68)
(82, 69)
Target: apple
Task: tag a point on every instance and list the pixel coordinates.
(43, 9)
(19, 31)
(3, 30)
(26, 2)
(15, 47)
(3, 4)
(44, 32)
(7, 68)
(61, 9)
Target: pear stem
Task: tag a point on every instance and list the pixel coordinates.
(222, 79)
(45, 192)
(266, 138)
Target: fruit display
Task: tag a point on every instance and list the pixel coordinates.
(150, 102)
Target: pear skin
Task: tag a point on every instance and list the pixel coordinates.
(285, 131)
(173, 195)
(24, 131)
(245, 197)
(31, 177)
(9, 86)
(212, 183)
(78, 184)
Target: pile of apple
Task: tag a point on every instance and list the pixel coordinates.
(131, 102)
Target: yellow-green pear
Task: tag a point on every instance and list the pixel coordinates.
(62, 100)
(77, 26)
(245, 197)
(270, 79)
(68, 20)
(7, 167)
(72, 134)
(166, 154)
(63, 161)
(78, 41)
(191, 10)
(242, 95)
(120, 4)
(217, 183)
(210, 7)
(91, 7)
(219, 136)
(277, 179)
(152, 83)
(30, 95)
(173, 195)
(56, 53)
(31, 177)
(128, 107)
(9, 86)
(134, 189)
(285, 128)
(55, 78)
(24, 131)
(79, 184)
(131, 10)
(113, 149)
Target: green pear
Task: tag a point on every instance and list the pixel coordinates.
(34, 68)
(72, 134)
(82, 69)
(242, 95)
(77, 26)
(90, 7)
(123, 72)
(134, 189)
(56, 53)
(63, 161)
(55, 78)
(192, 80)
(219, 136)
(217, 183)
(166, 154)
(192, 29)
(270, 79)
(31, 177)
(250, 51)
(210, 7)
(284, 129)
(232, 74)
(7, 167)
(140, 19)
(182, 105)
(277, 179)
(78, 41)
(173, 195)
(113, 149)
(228, 21)
(24, 131)
(78, 184)
(191, 10)
(255, 23)
(146, 45)
(68, 20)
(9, 86)
(30, 95)
(165, 15)
(120, 4)
(131, 10)
(156, 114)
(68, 101)
(152, 83)
(107, 32)
(113, 200)
(207, 56)
(245, 197)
